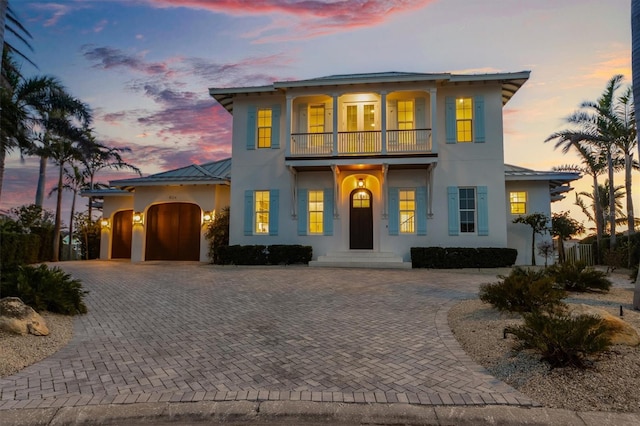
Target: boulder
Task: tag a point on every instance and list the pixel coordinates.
(16, 317)
(623, 334)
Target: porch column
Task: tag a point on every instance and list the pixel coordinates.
(383, 121)
(335, 123)
(434, 120)
(336, 192)
(287, 126)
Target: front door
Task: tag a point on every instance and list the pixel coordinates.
(361, 219)
(359, 122)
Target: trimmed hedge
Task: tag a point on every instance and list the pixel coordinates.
(18, 249)
(277, 254)
(462, 257)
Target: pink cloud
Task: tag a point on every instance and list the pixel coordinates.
(315, 17)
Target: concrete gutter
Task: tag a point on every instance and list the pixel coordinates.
(309, 413)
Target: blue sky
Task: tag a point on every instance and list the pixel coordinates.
(144, 66)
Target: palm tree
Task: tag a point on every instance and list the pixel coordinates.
(604, 203)
(104, 157)
(21, 101)
(599, 125)
(55, 111)
(593, 164)
(74, 181)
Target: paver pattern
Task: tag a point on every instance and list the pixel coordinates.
(172, 331)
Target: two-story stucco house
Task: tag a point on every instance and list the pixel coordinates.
(360, 167)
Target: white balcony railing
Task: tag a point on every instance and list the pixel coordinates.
(359, 143)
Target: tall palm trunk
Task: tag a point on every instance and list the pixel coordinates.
(3, 150)
(73, 210)
(635, 66)
(41, 181)
(58, 222)
(598, 216)
(612, 201)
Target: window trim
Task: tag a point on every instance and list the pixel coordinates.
(515, 201)
(257, 212)
(467, 121)
(413, 191)
(263, 141)
(310, 194)
(474, 210)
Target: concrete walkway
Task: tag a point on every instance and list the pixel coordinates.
(162, 333)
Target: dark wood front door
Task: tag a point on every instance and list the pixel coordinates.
(361, 219)
(121, 235)
(173, 232)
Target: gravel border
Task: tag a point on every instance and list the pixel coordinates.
(18, 352)
(610, 385)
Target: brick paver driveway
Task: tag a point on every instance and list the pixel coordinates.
(190, 332)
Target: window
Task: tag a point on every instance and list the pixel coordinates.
(316, 125)
(464, 119)
(262, 212)
(407, 201)
(518, 202)
(264, 128)
(316, 212)
(405, 115)
(467, 200)
(361, 200)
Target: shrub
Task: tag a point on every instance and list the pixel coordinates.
(562, 340)
(282, 254)
(277, 254)
(18, 249)
(578, 277)
(45, 288)
(462, 257)
(523, 290)
(218, 235)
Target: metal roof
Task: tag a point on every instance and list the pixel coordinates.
(511, 82)
(217, 172)
(558, 181)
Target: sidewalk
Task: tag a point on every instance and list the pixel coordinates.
(307, 413)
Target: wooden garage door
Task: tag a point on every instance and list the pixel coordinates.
(121, 235)
(173, 232)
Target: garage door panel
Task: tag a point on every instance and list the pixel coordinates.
(121, 235)
(173, 232)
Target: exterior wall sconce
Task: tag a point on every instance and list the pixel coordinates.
(138, 218)
(208, 217)
(104, 223)
(360, 183)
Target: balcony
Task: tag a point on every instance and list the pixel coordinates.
(372, 142)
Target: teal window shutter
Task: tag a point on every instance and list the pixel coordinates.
(275, 127)
(252, 126)
(248, 212)
(450, 119)
(478, 119)
(394, 211)
(454, 213)
(327, 214)
(303, 200)
(421, 210)
(274, 200)
(483, 211)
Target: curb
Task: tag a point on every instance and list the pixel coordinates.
(305, 412)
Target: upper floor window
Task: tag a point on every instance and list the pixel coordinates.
(464, 119)
(405, 115)
(407, 210)
(316, 119)
(261, 210)
(518, 202)
(467, 200)
(316, 212)
(264, 127)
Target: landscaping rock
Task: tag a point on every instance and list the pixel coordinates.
(624, 333)
(16, 317)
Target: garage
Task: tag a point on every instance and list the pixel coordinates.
(173, 232)
(121, 235)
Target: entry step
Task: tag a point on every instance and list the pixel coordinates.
(360, 259)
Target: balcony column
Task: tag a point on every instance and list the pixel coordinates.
(434, 120)
(383, 122)
(335, 123)
(287, 126)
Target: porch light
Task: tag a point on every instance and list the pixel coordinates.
(360, 183)
(208, 217)
(138, 218)
(104, 223)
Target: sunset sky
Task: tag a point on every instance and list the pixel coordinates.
(144, 66)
